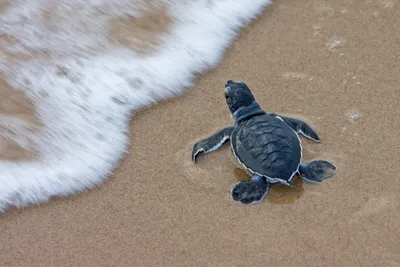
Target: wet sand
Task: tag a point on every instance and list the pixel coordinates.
(18, 125)
(334, 64)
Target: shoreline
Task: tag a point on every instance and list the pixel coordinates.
(159, 209)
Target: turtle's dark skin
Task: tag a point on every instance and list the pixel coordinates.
(267, 145)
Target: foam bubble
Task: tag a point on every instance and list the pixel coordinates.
(335, 43)
(353, 116)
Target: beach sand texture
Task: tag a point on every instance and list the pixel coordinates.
(331, 63)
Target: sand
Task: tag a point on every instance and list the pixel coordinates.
(333, 64)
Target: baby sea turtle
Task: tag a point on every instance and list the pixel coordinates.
(267, 145)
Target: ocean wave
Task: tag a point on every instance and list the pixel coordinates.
(87, 66)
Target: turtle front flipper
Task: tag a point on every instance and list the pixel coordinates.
(211, 143)
(251, 191)
(299, 127)
(317, 171)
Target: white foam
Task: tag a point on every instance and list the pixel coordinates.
(86, 112)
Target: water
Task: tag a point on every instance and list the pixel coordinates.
(278, 193)
(86, 73)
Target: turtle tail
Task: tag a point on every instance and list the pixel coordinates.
(317, 171)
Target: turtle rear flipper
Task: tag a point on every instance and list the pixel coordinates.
(251, 191)
(317, 171)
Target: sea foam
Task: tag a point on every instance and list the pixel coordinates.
(85, 87)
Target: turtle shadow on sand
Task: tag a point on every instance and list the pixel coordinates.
(278, 194)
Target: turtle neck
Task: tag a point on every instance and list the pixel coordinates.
(246, 112)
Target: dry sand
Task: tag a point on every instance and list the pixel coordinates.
(333, 63)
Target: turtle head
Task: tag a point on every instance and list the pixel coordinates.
(237, 95)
